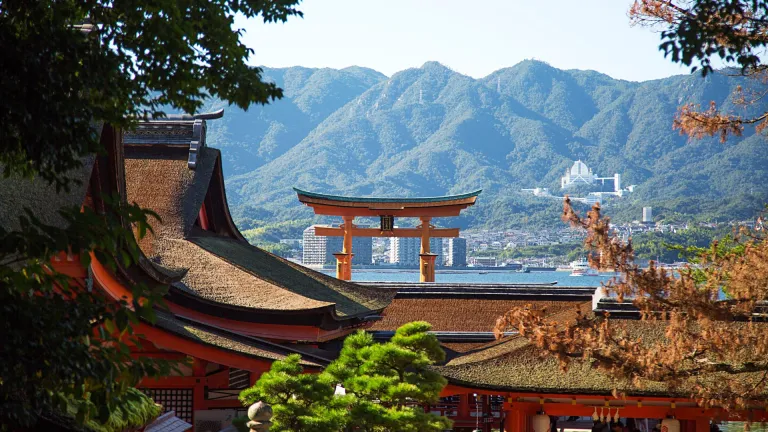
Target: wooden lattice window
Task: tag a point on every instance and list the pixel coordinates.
(239, 379)
(179, 400)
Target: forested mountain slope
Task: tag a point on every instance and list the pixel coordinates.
(432, 131)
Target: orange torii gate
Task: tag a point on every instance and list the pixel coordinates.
(386, 209)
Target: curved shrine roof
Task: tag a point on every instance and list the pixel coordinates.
(515, 364)
(221, 339)
(439, 200)
(458, 313)
(222, 267)
(331, 205)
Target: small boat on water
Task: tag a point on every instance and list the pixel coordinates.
(582, 268)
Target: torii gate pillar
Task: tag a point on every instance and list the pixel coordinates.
(426, 257)
(344, 258)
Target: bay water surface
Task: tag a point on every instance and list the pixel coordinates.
(562, 278)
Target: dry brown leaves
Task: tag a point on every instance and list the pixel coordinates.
(690, 337)
(733, 32)
(653, 11)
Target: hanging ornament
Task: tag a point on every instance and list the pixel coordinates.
(602, 415)
(540, 422)
(670, 425)
(595, 417)
(615, 416)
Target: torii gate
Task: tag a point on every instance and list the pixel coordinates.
(386, 209)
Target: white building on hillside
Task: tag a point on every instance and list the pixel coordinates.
(579, 173)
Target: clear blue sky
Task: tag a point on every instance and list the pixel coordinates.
(472, 37)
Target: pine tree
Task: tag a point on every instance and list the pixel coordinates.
(387, 386)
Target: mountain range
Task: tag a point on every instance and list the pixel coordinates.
(432, 131)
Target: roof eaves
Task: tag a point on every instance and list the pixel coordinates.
(260, 341)
(341, 198)
(241, 339)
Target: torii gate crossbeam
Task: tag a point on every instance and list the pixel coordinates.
(387, 209)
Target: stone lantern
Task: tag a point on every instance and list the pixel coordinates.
(260, 415)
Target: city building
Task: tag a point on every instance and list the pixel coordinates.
(456, 252)
(405, 251)
(581, 174)
(483, 261)
(319, 250)
(647, 215)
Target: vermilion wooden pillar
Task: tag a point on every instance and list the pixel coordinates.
(198, 397)
(426, 257)
(464, 405)
(516, 420)
(203, 217)
(701, 424)
(687, 426)
(344, 258)
(198, 367)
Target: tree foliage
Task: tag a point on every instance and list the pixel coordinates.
(695, 32)
(668, 246)
(709, 343)
(69, 66)
(386, 385)
(134, 59)
(52, 358)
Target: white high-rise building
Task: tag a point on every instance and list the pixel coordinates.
(405, 250)
(456, 252)
(319, 250)
(647, 215)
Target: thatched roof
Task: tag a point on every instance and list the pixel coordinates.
(458, 314)
(162, 181)
(231, 272)
(222, 268)
(41, 198)
(514, 364)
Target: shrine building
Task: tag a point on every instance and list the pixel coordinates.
(507, 385)
(233, 308)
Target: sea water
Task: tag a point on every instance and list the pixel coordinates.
(562, 278)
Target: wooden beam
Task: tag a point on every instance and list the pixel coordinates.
(171, 341)
(329, 210)
(645, 411)
(375, 232)
(171, 382)
(165, 355)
